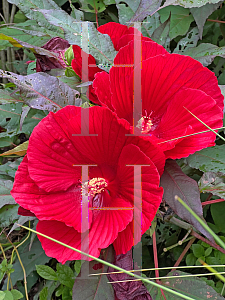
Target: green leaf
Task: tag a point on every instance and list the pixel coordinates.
(8, 214)
(208, 251)
(211, 159)
(136, 11)
(46, 272)
(161, 34)
(43, 91)
(30, 258)
(66, 293)
(190, 259)
(176, 183)
(10, 168)
(92, 6)
(205, 53)
(65, 275)
(100, 46)
(218, 213)
(16, 294)
(43, 294)
(189, 41)
(198, 250)
(23, 37)
(201, 14)
(180, 19)
(77, 266)
(5, 196)
(94, 288)
(2, 295)
(8, 295)
(150, 24)
(30, 7)
(214, 183)
(191, 286)
(189, 3)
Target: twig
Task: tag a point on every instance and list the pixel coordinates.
(217, 21)
(198, 236)
(212, 201)
(183, 253)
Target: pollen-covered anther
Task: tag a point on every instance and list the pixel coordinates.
(145, 124)
(97, 185)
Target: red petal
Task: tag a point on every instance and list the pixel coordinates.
(61, 206)
(25, 212)
(101, 87)
(115, 31)
(77, 64)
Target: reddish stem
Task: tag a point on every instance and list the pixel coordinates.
(198, 236)
(96, 16)
(217, 21)
(183, 253)
(212, 201)
(156, 261)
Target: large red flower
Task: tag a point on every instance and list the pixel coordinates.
(120, 35)
(48, 181)
(171, 84)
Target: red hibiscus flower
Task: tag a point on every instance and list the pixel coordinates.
(120, 35)
(170, 85)
(48, 181)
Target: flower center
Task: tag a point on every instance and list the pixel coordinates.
(145, 124)
(94, 186)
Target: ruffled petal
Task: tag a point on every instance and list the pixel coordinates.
(60, 206)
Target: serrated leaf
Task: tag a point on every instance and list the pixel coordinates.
(29, 8)
(46, 272)
(205, 53)
(201, 14)
(180, 19)
(214, 183)
(193, 287)
(20, 150)
(5, 196)
(211, 159)
(43, 91)
(100, 45)
(189, 3)
(176, 183)
(65, 275)
(43, 294)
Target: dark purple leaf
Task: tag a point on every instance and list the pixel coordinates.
(175, 182)
(56, 45)
(130, 290)
(42, 91)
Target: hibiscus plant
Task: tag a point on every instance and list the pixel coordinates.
(112, 150)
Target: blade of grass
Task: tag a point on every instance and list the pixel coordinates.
(169, 277)
(110, 265)
(222, 138)
(206, 227)
(184, 136)
(218, 274)
(153, 269)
